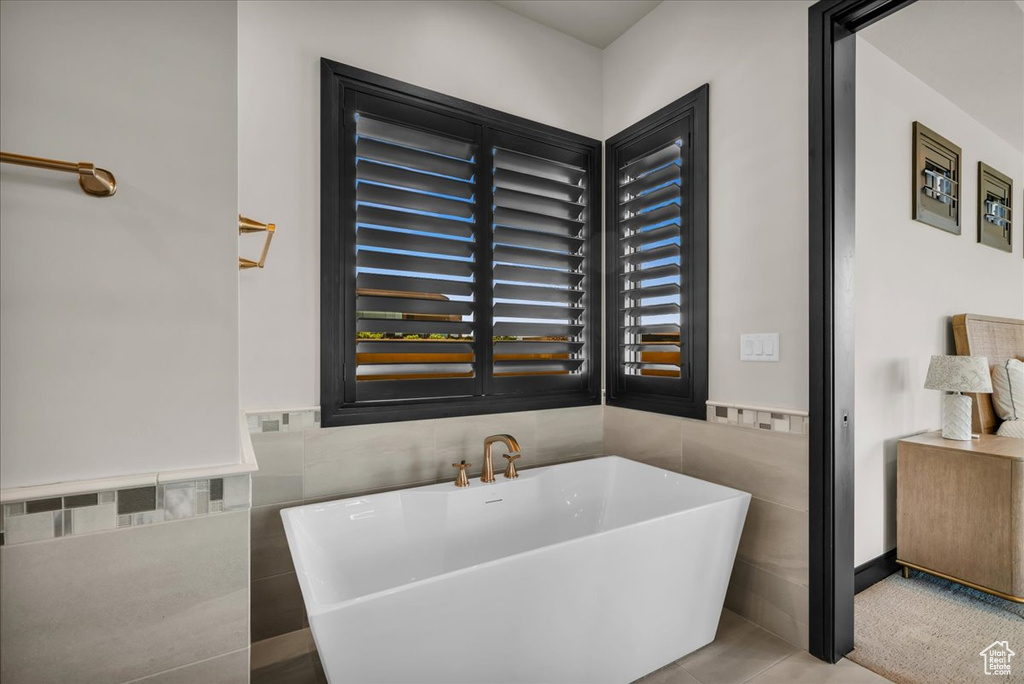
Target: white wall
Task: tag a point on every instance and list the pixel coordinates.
(754, 55)
(118, 316)
(912, 278)
(477, 51)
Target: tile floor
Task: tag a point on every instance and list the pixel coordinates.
(742, 653)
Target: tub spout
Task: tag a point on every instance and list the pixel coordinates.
(510, 442)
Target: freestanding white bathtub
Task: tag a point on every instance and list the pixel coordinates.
(594, 571)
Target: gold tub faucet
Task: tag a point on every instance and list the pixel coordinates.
(513, 446)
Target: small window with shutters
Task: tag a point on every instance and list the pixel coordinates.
(656, 248)
(460, 267)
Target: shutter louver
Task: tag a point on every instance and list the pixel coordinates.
(539, 233)
(415, 255)
(649, 249)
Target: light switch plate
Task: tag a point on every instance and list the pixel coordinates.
(759, 347)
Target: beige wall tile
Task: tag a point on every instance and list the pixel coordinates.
(774, 603)
(363, 457)
(277, 606)
(230, 668)
(775, 539)
(564, 434)
(777, 619)
(117, 606)
(269, 546)
(739, 598)
(648, 437)
(279, 456)
(770, 465)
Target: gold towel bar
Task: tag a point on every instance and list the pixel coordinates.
(247, 225)
(94, 181)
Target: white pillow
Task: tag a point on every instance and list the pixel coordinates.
(1008, 389)
(1012, 428)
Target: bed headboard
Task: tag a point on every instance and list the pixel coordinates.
(997, 338)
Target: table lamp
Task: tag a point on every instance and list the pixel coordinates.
(958, 374)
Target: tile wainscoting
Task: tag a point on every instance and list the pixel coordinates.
(160, 603)
(129, 578)
(302, 463)
(769, 579)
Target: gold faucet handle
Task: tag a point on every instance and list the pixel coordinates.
(510, 471)
(461, 480)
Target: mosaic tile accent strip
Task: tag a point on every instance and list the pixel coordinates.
(759, 419)
(283, 421)
(81, 514)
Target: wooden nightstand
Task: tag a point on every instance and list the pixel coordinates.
(960, 511)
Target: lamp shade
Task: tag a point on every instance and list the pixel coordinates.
(959, 374)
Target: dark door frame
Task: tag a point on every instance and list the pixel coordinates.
(832, 77)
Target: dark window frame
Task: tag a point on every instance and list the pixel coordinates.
(687, 399)
(337, 261)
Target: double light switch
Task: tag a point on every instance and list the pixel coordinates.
(759, 347)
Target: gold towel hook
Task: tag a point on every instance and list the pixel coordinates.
(247, 225)
(93, 181)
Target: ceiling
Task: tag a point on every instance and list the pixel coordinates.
(969, 51)
(597, 22)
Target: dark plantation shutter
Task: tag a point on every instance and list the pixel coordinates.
(415, 226)
(459, 256)
(649, 201)
(540, 226)
(657, 259)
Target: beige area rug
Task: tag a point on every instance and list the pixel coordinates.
(925, 630)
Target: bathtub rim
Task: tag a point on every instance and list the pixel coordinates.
(324, 608)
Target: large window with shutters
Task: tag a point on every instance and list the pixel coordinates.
(460, 256)
(656, 246)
